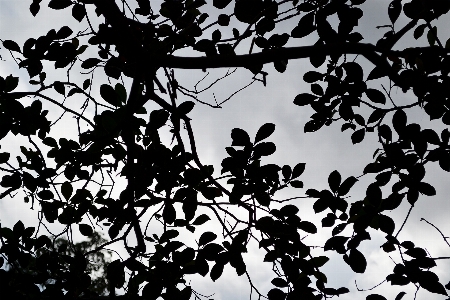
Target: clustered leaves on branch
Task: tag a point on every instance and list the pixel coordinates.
(71, 181)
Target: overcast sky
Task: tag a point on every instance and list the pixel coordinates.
(323, 152)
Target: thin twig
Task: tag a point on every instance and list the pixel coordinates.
(443, 236)
(404, 221)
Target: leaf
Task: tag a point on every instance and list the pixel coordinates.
(375, 297)
(377, 72)
(394, 10)
(134, 265)
(82, 49)
(320, 205)
(263, 198)
(4, 129)
(279, 282)
(185, 107)
(399, 120)
(376, 96)
(41, 241)
(28, 232)
(334, 180)
(358, 136)
(298, 170)
(210, 192)
(34, 8)
(386, 224)
(18, 229)
(90, 63)
(109, 94)
(59, 87)
(280, 65)
(6, 233)
(189, 208)
(304, 99)
(210, 252)
(264, 149)
(240, 137)
(216, 35)
(206, 238)
(264, 132)
(34, 67)
(276, 294)
(222, 20)
(313, 193)
(444, 162)
(305, 26)
(59, 4)
(216, 271)
(86, 84)
(354, 71)
(400, 296)
(221, 4)
(312, 76)
(66, 190)
(426, 189)
(11, 83)
(85, 229)
(346, 185)
(168, 235)
(193, 5)
(11, 45)
(78, 12)
(376, 115)
(339, 228)
(297, 184)
(4, 157)
(113, 231)
(426, 262)
(319, 261)
(385, 132)
(202, 266)
(45, 195)
(63, 33)
(430, 281)
(152, 290)
(412, 195)
(317, 60)
(50, 211)
(307, 227)
(418, 32)
(431, 36)
(286, 171)
(356, 261)
(201, 219)
(169, 214)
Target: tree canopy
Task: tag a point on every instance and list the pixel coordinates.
(168, 192)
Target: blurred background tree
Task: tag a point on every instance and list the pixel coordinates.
(96, 266)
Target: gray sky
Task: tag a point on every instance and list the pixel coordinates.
(323, 152)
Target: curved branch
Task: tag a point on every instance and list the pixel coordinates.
(369, 51)
(435, 227)
(268, 56)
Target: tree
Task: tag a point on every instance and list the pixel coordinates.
(166, 182)
(62, 249)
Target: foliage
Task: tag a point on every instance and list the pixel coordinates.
(17, 274)
(65, 178)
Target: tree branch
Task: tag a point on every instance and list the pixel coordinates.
(370, 52)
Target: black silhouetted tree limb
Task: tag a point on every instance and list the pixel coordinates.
(72, 181)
